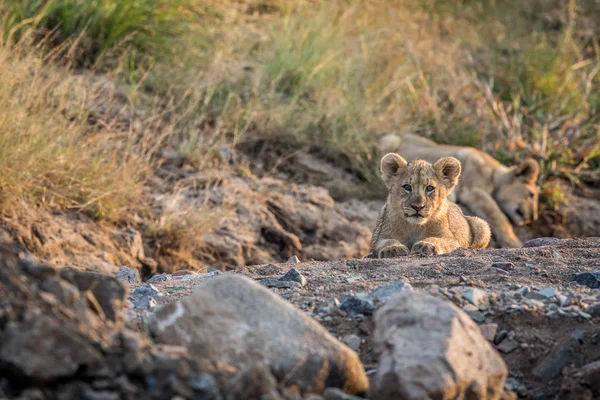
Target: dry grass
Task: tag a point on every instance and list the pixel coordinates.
(339, 74)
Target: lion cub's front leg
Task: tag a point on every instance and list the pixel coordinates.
(433, 246)
(390, 248)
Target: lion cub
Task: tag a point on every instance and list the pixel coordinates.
(417, 218)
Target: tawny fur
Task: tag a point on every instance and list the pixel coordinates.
(417, 218)
(501, 195)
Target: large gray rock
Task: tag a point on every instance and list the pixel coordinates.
(45, 350)
(232, 322)
(430, 349)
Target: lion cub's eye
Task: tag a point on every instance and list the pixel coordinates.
(429, 189)
(408, 188)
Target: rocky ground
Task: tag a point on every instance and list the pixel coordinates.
(539, 306)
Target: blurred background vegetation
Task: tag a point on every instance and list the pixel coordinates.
(515, 78)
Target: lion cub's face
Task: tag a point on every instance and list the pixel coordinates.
(518, 193)
(417, 190)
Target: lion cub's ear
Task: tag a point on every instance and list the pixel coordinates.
(390, 164)
(448, 169)
(528, 171)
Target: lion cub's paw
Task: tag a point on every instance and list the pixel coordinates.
(423, 248)
(394, 250)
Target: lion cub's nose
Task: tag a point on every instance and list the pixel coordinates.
(417, 208)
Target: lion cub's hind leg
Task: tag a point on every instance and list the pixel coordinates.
(480, 232)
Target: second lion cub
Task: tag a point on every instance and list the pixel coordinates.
(417, 218)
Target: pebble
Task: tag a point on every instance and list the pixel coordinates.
(493, 271)
(354, 305)
(279, 284)
(544, 294)
(477, 297)
(507, 346)
(294, 276)
(385, 292)
(590, 279)
(506, 266)
(146, 290)
(145, 303)
(514, 385)
(159, 278)
(352, 341)
(594, 308)
(523, 291)
(293, 260)
(129, 275)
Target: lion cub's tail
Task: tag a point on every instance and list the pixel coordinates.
(480, 232)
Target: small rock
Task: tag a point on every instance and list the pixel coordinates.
(147, 290)
(590, 376)
(129, 275)
(354, 305)
(477, 297)
(544, 294)
(515, 386)
(159, 278)
(568, 351)
(145, 303)
(531, 269)
(524, 291)
(564, 301)
(493, 271)
(385, 292)
(352, 341)
(488, 331)
(590, 279)
(594, 308)
(338, 394)
(507, 346)
(293, 260)
(543, 241)
(429, 349)
(504, 265)
(503, 334)
(279, 284)
(477, 316)
(585, 315)
(294, 276)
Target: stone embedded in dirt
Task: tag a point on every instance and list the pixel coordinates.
(145, 303)
(430, 349)
(355, 305)
(279, 284)
(129, 275)
(231, 321)
(182, 272)
(385, 292)
(44, 349)
(477, 297)
(545, 294)
(493, 271)
(489, 331)
(159, 278)
(107, 290)
(294, 276)
(590, 376)
(590, 279)
(568, 351)
(515, 386)
(523, 291)
(147, 290)
(352, 341)
(594, 308)
(507, 346)
(542, 241)
(504, 265)
(293, 260)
